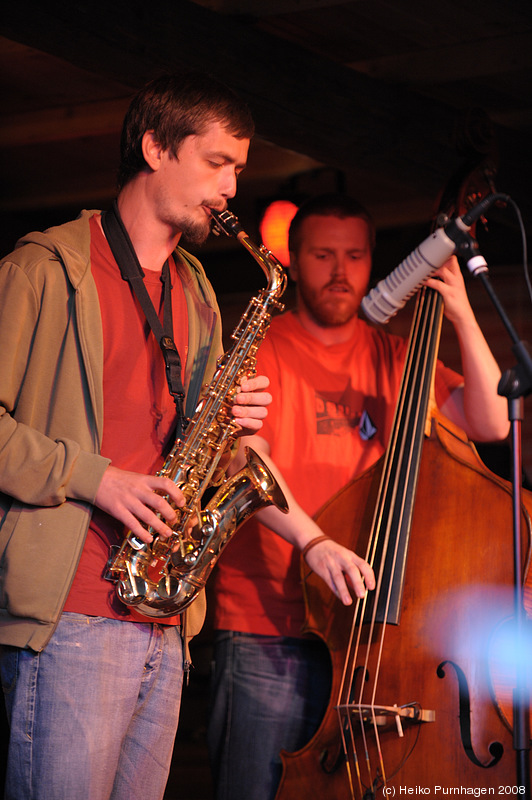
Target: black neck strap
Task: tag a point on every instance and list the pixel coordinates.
(131, 271)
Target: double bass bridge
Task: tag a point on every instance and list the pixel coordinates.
(381, 716)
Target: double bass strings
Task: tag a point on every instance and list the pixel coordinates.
(387, 551)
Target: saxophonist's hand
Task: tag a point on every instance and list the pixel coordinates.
(134, 498)
(251, 404)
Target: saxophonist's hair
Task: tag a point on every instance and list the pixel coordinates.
(174, 107)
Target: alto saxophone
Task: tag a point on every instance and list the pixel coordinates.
(162, 578)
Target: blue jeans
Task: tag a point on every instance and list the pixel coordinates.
(268, 694)
(94, 715)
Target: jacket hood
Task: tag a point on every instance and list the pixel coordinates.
(63, 241)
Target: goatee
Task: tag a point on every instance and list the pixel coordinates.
(195, 232)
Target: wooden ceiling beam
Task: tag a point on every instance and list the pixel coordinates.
(62, 124)
(263, 8)
(300, 101)
(496, 55)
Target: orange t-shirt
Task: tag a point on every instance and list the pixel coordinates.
(139, 412)
(330, 420)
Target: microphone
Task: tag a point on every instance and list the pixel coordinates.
(391, 294)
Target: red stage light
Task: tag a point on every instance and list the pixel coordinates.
(274, 228)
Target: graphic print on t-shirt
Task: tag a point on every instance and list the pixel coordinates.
(367, 429)
(334, 417)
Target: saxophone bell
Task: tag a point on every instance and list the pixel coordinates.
(162, 586)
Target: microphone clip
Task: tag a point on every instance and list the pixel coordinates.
(468, 253)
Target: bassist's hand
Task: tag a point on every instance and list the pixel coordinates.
(340, 568)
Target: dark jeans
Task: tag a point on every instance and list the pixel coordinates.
(268, 694)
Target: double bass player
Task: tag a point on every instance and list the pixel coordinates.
(334, 383)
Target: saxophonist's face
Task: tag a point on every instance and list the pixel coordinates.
(204, 175)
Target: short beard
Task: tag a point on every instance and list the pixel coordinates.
(328, 315)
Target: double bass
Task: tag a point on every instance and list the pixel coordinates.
(424, 667)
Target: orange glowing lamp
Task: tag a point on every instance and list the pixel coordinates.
(274, 228)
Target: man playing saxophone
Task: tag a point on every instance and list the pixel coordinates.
(87, 417)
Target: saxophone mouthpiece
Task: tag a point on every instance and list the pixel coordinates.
(226, 222)
(217, 227)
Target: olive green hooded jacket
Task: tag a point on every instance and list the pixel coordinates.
(51, 418)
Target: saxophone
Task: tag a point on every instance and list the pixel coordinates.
(162, 578)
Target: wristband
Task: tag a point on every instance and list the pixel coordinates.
(313, 542)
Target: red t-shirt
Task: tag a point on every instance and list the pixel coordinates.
(330, 419)
(139, 412)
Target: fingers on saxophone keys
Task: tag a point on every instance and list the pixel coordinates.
(156, 511)
(251, 401)
(254, 384)
(241, 413)
(165, 488)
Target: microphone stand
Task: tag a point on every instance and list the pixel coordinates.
(515, 385)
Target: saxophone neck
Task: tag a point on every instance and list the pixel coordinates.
(272, 268)
(226, 222)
